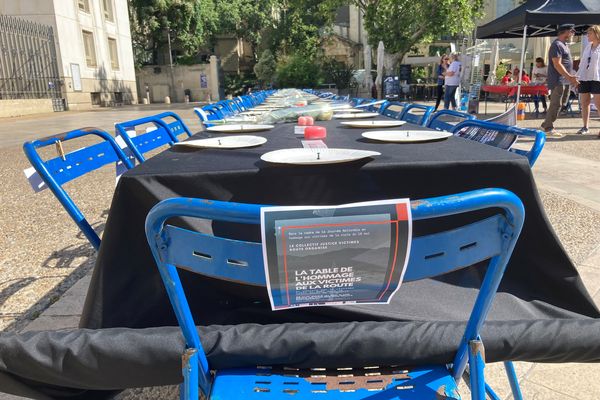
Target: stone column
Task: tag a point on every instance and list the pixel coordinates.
(213, 78)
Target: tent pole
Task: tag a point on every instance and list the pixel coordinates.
(521, 66)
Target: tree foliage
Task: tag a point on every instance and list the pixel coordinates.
(265, 68)
(190, 22)
(246, 19)
(298, 70)
(300, 25)
(337, 72)
(401, 24)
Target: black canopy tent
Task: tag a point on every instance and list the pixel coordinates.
(540, 18)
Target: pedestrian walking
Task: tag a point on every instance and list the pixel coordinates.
(589, 76)
(560, 75)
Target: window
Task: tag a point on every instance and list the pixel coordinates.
(96, 98)
(84, 5)
(90, 49)
(108, 10)
(114, 54)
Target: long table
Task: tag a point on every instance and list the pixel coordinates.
(126, 289)
(542, 311)
(511, 90)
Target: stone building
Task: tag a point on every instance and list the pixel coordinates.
(93, 48)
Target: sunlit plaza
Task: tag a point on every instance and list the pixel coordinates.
(303, 199)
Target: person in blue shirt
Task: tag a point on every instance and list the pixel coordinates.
(441, 71)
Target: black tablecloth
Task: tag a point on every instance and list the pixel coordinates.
(126, 290)
(541, 299)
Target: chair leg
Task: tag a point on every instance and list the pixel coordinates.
(476, 366)
(512, 379)
(189, 370)
(490, 392)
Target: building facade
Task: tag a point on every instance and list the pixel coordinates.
(93, 48)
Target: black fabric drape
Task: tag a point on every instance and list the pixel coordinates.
(542, 311)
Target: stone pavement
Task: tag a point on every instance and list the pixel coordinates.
(568, 178)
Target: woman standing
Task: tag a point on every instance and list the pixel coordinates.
(452, 81)
(540, 74)
(589, 76)
(441, 71)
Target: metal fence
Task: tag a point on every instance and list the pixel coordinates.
(28, 64)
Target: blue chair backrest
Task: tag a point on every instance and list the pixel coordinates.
(432, 255)
(446, 120)
(408, 114)
(68, 166)
(392, 109)
(165, 133)
(207, 114)
(502, 136)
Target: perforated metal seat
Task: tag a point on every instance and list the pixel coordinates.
(264, 383)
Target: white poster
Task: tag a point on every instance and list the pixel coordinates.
(76, 76)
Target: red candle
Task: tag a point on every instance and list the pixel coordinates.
(309, 120)
(315, 132)
(303, 121)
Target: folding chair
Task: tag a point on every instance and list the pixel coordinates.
(502, 136)
(492, 238)
(163, 134)
(386, 109)
(55, 172)
(207, 114)
(418, 119)
(445, 120)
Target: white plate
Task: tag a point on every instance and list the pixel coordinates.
(352, 115)
(406, 136)
(373, 124)
(316, 156)
(350, 110)
(225, 142)
(249, 112)
(239, 128)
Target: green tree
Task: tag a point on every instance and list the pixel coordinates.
(265, 68)
(298, 71)
(190, 23)
(337, 72)
(301, 24)
(246, 19)
(401, 24)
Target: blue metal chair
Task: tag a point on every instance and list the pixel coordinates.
(386, 109)
(164, 134)
(445, 120)
(502, 136)
(418, 119)
(68, 166)
(492, 238)
(207, 114)
(177, 126)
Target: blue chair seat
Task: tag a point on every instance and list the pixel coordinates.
(263, 383)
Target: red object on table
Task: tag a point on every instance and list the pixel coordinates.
(315, 132)
(512, 90)
(305, 121)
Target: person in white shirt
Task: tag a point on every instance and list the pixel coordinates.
(452, 81)
(589, 76)
(539, 75)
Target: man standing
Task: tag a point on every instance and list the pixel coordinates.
(560, 76)
(452, 81)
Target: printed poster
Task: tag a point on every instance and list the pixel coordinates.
(335, 255)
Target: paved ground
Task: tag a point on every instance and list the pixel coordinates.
(44, 263)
